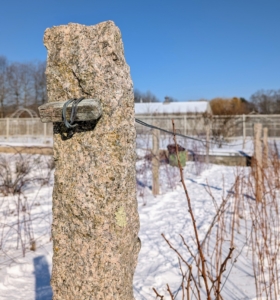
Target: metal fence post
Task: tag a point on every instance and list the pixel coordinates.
(7, 128)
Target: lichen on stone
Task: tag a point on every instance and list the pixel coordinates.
(121, 217)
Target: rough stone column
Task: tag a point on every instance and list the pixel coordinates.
(95, 219)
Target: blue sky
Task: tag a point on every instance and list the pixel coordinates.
(187, 49)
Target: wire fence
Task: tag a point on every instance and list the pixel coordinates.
(190, 126)
(31, 127)
(230, 127)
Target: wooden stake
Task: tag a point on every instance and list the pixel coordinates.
(155, 161)
(258, 162)
(207, 142)
(265, 148)
(244, 131)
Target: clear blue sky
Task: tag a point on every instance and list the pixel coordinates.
(187, 49)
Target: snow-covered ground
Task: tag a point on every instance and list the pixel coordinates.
(145, 142)
(28, 277)
(229, 147)
(25, 217)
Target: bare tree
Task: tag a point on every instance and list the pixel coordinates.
(144, 97)
(25, 73)
(39, 83)
(21, 84)
(168, 99)
(267, 101)
(3, 84)
(14, 83)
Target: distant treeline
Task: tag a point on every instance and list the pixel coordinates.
(21, 85)
(24, 85)
(262, 102)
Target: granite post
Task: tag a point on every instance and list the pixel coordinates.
(95, 219)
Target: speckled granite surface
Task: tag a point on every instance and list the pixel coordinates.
(95, 219)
